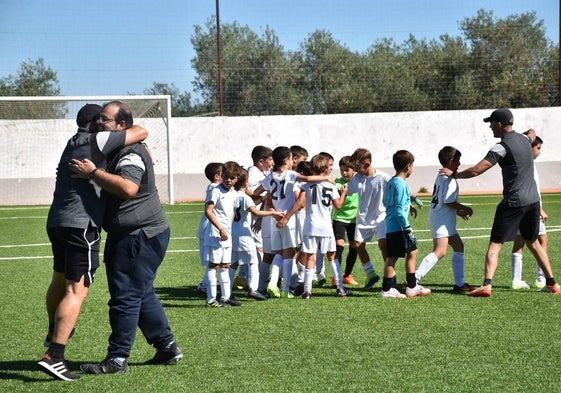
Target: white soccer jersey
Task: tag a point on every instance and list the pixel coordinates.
(442, 218)
(203, 222)
(371, 210)
(225, 204)
(281, 187)
(255, 177)
(318, 208)
(242, 238)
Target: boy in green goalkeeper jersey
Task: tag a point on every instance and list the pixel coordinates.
(344, 221)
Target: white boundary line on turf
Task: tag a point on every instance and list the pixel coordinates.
(552, 229)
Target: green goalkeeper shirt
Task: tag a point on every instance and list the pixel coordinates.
(347, 212)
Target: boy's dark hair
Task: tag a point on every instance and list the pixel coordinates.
(242, 179)
(212, 169)
(346, 162)
(231, 169)
(319, 164)
(537, 141)
(260, 152)
(298, 151)
(279, 155)
(327, 155)
(448, 153)
(401, 159)
(304, 168)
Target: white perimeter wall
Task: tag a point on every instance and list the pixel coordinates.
(199, 140)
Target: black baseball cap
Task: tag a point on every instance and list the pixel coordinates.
(502, 115)
(87, 113)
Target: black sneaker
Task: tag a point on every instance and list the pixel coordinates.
(233, 301)
(167, 356)
(49, 338)
(343, 292)
(57, 368)
(107, 366)
(256, 295)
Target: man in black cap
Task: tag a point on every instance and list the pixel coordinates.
(520, 206)
(73, 225)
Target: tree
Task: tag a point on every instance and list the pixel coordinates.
(509, 59)
(180, 102)
(33, 78)
(327, 73)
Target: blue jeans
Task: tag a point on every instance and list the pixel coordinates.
(131, 262)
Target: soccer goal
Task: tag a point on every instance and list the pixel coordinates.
(34, 132)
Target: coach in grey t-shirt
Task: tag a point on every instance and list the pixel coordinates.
(519, 209)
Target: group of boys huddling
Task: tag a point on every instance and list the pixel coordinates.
(279, 218)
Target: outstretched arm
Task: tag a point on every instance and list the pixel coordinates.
(113, 184)
(476, 170)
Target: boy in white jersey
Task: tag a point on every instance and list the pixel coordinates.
(444, 207)
(213, 172)
(518, 246)
(262, 157)
(244, 251)
(320, 265)
(220, 206)
(369, 183)
(280, 185)
(317, 230)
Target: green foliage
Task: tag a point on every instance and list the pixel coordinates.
(180, 102)
(440, 343)
(496, 62)
(34, 78)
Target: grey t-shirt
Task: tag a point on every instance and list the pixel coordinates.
(76, 203)
(143, 211)
(514, 155)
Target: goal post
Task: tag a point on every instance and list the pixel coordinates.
(35, 130)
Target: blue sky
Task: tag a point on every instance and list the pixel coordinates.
(115, 47)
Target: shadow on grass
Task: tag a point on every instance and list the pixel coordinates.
(180, 297)
(15, 370)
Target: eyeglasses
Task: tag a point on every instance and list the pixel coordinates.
(103, 119)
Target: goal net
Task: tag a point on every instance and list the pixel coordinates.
(34, 132)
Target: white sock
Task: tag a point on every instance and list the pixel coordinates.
(516, 261)
(294, 279)
(368, 267)
(458, 268)
(336, 271)
(264, 273)
(425, 266)
(308, 277)
(287, 265)
(211, 285)
(253, 276)
(301, 269)
(275, 270)
(224, 277)
(539, 274)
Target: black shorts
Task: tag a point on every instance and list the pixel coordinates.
(395, 246)
(75, 252)
(341, 228)
(508, 220)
